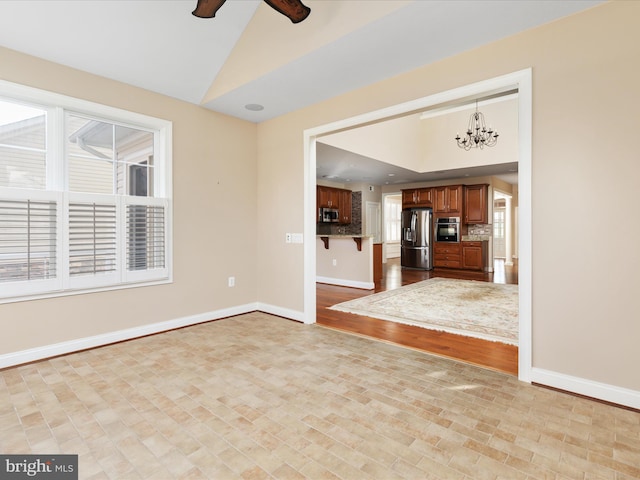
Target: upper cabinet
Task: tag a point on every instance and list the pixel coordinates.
(344, 207)
(470, 202)
(475, 204)
(417, 197)
(327, 197)
(448, 199)
(339, 198)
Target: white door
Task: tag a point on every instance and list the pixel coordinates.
(373, 221)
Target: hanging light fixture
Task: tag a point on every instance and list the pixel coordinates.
(478, 136)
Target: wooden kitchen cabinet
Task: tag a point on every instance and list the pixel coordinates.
(448, 199)
(473, 255)
(327, 197)
(344, 207)
(377, 262)
(447, 254)
(475, 204)
(340, 198)
(417, 197)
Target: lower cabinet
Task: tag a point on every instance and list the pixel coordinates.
(463, 255)
(377, 262)
(473, 255)
(447, 254)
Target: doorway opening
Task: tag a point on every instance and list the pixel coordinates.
(504, 228)
(520, 81)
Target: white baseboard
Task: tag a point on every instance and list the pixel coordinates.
(589, 388)
(346, 283)
(48, 351)
(281, 312)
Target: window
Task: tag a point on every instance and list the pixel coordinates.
(393, 219)
(498, 224)
(84, 196)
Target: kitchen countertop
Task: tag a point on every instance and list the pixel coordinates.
(355, 238)
(476, 238)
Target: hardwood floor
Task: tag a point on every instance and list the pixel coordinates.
(492, 355)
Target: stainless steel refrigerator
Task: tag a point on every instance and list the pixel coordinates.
(417, 238)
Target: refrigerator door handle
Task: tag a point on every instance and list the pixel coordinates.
(414, 218)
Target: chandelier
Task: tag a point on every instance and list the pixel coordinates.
(478, 136)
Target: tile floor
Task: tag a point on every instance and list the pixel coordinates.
(257, 396)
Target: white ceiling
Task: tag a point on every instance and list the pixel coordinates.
(250, 54)
(343, 45)
(342, 166)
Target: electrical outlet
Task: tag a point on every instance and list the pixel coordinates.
(287, 238)
(232, 281)
(335, 262)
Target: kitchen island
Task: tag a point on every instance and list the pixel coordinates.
(345, 260)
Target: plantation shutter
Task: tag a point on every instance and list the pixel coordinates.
(92, 238)
(146, 228)
(28, 240)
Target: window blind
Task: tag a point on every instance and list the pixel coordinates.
(145, 237)
(92, 238)
(27, 240)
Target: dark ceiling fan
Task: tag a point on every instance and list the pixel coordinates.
(292, 9)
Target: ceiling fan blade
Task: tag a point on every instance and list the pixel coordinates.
(207, 8)
(293, 9)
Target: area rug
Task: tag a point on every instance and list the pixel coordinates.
(465, 307)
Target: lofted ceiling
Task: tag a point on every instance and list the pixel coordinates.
(346, 167)
(250, 54)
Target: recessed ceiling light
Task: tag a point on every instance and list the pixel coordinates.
(254, 107)
(391, 174)
(329, 176)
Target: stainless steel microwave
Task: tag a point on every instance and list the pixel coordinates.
(329, 215)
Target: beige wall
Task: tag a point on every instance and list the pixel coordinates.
(584, 168)
(214, 199)
(441, 152)
(428, 145)
(353, 268)
(395, 141)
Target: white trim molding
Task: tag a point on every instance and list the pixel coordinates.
(589, 388)
(280, 312)
(71, 346)
(346, 283)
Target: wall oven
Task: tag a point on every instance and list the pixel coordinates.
(448, 229)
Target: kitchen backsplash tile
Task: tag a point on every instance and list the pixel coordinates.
(354, 228)
(480, 230)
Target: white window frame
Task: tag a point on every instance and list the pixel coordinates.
(393, 222)
(57, 190)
